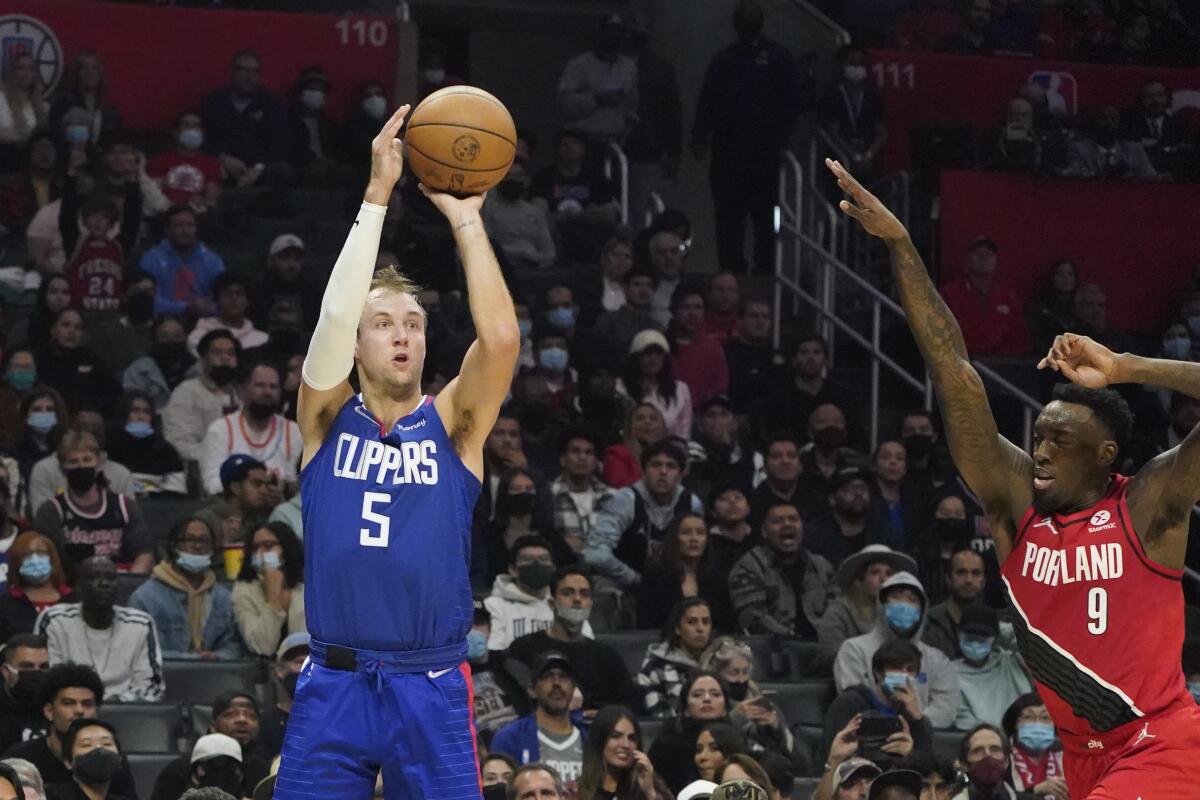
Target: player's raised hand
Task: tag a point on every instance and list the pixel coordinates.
(865, 207)
(461, 211)
(387, 152)
(1081, 360)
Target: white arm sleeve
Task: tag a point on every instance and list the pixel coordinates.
(331, 350)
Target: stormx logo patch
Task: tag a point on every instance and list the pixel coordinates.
(1101, 521)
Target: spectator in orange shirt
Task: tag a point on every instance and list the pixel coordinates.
(992, 319)
(721, 312)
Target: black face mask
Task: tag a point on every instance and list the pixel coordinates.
(96, 766)
(261, 411)
(521, 504)
(81, 479)
(139, 307)
(227, 779)
(917, 446)
(223, 374)
(830, 438)
(536, 576)
(27, 691)
(739, 691)
(951, 529)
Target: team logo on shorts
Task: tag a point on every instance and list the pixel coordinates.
(466, 148)
(23, 34)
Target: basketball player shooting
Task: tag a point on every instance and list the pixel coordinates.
(1091, 560)
(389, 481)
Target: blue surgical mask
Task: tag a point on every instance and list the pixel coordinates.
(77, 134)
(1194, 323)
(553, 359)
(191, 138)
(903, 617)
(1178, 348)
(561, 318)
(42, 421)
(1194, 690)
(193, 562)
(21, 379)
(477, 645)
(36, 567)
(375, 105)
(139, 429)
(267, 560)
(976, 648)
(525, 326)
(1036, 737)
(893, 681)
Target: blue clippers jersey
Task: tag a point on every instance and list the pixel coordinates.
(387, 533)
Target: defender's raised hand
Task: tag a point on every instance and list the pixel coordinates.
(1081, 360)
(387, 155)
(865, 207)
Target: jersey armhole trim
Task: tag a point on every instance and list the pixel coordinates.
(325, 442)
(1135, 543)
(1022, 531)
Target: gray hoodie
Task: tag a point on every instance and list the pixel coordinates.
(937, 682)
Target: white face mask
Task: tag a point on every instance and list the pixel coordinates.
(375, 106)
(434, 76)
(855, 73)
(313, 99)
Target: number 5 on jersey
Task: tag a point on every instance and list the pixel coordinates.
(365, 537)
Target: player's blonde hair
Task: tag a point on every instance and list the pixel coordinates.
(391, 279)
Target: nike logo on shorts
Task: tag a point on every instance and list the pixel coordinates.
(435, 675)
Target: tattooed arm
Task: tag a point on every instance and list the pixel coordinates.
(996, 470)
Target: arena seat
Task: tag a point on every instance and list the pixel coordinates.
(127, 584)
(804, 788)
(146, 768)
(146, 727)
(945, 744)
(201, 718)
(802, 702)
(651, 728)
(631, 645)
(199, 682)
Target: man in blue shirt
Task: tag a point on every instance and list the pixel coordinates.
(183, 268)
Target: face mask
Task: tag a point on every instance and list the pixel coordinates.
(139, 307)
(511, 190)
(1036, 737)
(561, 318)
(893, 681)
(1194, 324)
(477, 650)
(21, 380)
(41, 421)
(375, 106)
(988, 772)
(1178, 348)
(536, 575)
(313, 99)
(289, 683)
(1194, 690)
(191, 138)
(525, 326)
(77, 134)
(227, 779)
(903, 617)
(434, 76)
(81, 479)
(260, 410)
(223, 374)
(739, 691)
(521, 504)
(36, 567)
(830, 438)
(855, 73)
(96, 766)
(139, 429)
(27, 691)
(951, 529)
(553, 359)
(193, 562)
(917, 446)
(573, 617)
(974, 648)
(267, 560)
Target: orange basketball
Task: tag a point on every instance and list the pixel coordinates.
(460, 140)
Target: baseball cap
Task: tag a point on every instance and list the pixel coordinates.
(548, 660)
(983, 241)
(979, 619)
(844, 476)
(226, 699)
(285, 241)
(216, 745)
(739, 790)
(904, 778)
(648, 338)
(293, 641)
(697, 790)
(848, 570)
(717, 400)
(852, 767)
(235, 468)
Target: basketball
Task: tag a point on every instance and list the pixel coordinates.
(460, 140)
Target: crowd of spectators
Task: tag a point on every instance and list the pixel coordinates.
(662, 465)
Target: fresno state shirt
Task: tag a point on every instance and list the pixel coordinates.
(97, 274)
(1099, 624)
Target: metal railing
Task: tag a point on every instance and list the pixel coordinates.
(654, 207)
(614, 153)
(808, 266)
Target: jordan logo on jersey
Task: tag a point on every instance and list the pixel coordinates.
(1097, 562)
(381, 463)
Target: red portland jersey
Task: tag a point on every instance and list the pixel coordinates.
(1099, 624)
